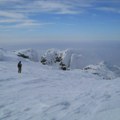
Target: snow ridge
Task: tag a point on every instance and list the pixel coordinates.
(66, 59)
(42, 92)
(29, 54)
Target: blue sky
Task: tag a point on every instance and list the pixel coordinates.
(45, 21)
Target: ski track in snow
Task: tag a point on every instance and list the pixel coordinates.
(44, 93)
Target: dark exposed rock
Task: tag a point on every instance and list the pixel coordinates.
(43, 60)
(63, 66)
(23, 55)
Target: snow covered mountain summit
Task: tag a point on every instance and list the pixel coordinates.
(66, 59)
(42, 92)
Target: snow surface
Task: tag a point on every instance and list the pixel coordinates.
(47, 93)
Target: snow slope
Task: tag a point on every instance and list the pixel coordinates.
(44, 93)
(9, 56)
(47, 93)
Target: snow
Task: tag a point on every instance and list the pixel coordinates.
(71, 58)
(30, 53)
(75, 61)
(7, 55)
(102, 70)
(108, 115)
(47, 93)
(50, 56)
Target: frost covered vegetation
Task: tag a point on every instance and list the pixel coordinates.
(87, 90)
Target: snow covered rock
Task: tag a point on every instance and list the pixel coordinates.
(101, 70)
(50, 57)
(67, 59)
(28, 54)
(75, 61)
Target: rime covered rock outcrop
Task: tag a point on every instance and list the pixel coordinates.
(28, 54)
(67, 59)
(50, 57)
(102, 70)
(73, 59)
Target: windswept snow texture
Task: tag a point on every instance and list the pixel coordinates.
(47, 93)
(44, 93)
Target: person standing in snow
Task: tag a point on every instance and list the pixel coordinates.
(19, 67)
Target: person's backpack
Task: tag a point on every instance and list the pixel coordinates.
(19, 65)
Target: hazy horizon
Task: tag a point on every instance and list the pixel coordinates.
(63, 45)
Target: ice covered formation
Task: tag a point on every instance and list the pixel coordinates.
(50, 57)
(69, 58)
(101, 70)
(28, 54)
